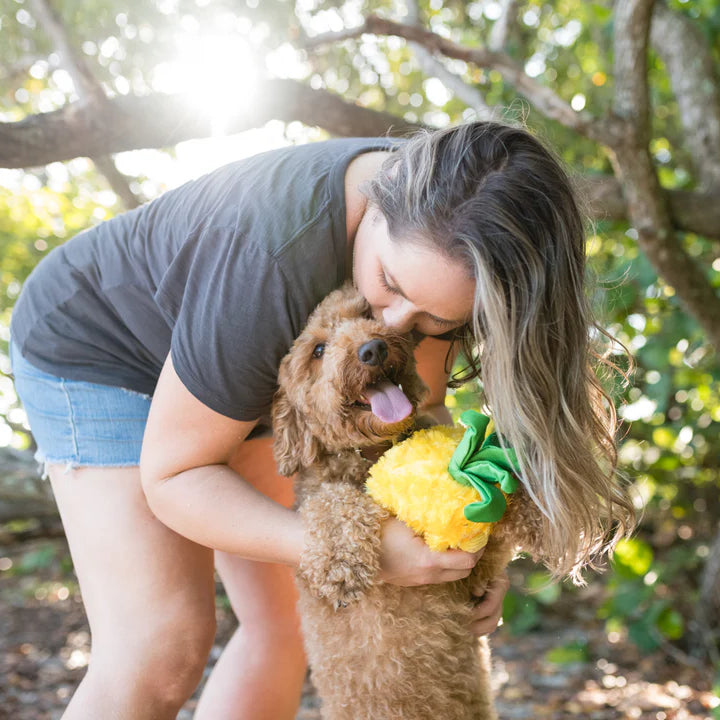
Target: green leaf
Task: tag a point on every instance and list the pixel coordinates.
(601, 13)
(664, 437)
(640, 632)
(628, 598)
(542, 591)
(671, 624)
(520, 613)
(634, 556)
(575, 652)
(36, 560)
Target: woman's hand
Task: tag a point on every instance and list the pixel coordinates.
(406, 560)
(488, 612)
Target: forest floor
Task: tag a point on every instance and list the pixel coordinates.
(44, 650)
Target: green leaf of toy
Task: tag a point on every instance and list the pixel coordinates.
(483, 464)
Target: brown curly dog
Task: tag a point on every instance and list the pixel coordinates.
(377, 651)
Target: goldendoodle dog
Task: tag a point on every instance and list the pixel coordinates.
(377, 651)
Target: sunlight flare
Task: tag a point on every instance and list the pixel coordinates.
(217, 73)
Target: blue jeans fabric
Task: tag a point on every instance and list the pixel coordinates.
(80, 423)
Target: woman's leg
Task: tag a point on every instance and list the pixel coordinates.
(260, 674)
(148, 593)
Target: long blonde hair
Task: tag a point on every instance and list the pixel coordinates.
(494, 198)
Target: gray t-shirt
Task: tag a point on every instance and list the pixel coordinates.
(223, 271)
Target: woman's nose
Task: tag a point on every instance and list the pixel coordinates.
(399, 317)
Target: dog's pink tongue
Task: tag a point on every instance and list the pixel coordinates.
(388, 402)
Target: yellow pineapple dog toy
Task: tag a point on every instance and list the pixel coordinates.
(449, 484)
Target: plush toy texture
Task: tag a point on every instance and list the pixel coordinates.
(412, 480)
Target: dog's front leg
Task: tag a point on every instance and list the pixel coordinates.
(519, 529)
(341, 559)
(498, 554)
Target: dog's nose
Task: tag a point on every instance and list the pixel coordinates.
(374, 352)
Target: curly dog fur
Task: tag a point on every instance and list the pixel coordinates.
(377, 651)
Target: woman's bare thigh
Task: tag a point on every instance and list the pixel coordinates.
(134, 572)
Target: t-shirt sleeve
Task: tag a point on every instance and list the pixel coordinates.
(234, 325)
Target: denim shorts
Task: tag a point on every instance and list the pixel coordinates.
(77, 423)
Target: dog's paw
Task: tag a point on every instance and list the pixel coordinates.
(338, 593)
(478, 588)
(347, 582)
(481, 579)
(341, 577)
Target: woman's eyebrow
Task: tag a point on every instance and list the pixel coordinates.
(399, 290)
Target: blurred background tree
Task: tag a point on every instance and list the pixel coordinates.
(104, 106)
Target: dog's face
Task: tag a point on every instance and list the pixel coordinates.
(347, 382)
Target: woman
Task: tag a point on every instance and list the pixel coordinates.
(469, 234)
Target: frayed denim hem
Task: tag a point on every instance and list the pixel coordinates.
(45, 462)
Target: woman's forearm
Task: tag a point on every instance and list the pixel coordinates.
(215, 507)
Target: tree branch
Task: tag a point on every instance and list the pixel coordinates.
(17, 72)
(90, 92)
(690, 211)
(707, 608)
(649, 213)
(689, 63)
(632, 25)
(504, 25)
(627, 136)
(119, 183)
(87, 87)
(158, 121)
(542, 98)
(432, 66)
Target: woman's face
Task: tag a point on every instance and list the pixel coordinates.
(409, 286)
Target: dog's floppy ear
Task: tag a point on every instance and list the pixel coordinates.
(293, 449)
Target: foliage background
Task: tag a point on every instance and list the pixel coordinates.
(670, 444)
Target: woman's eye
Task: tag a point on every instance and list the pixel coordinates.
(318, 350)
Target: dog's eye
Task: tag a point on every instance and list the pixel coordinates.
(318, 350)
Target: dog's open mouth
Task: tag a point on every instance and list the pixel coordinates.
(386, 401)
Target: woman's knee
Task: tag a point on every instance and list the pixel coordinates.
(162, 658)
(283, 633)
(263, 595)
(277, 632)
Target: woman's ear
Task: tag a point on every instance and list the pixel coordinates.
(293, 448)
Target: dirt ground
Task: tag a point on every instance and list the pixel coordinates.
(44, 650)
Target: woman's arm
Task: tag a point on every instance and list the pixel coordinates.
(190, 488)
